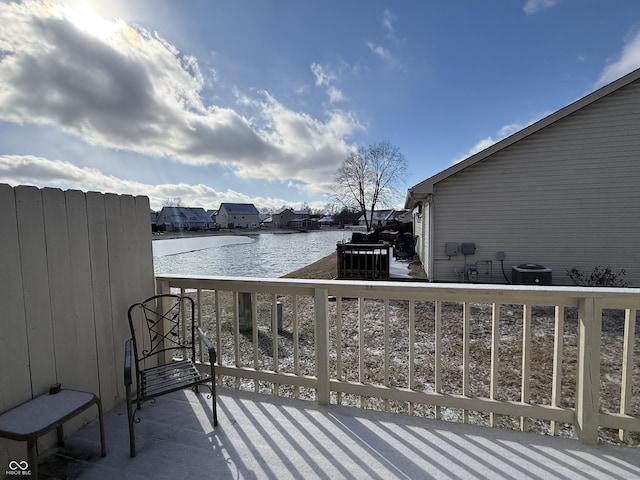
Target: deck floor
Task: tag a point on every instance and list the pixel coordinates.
(262, 436)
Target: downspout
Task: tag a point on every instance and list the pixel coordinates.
(431, 210)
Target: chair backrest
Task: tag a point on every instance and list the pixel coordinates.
(162, 328)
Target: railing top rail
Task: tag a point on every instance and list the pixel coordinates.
(480, 293)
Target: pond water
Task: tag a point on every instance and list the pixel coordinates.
(268, 255)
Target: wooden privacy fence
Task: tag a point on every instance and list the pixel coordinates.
(70, 265)
(560, 356)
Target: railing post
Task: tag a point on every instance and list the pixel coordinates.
(588, 381)
(162, 287)
(321, 303)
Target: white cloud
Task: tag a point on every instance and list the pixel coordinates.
(628, 61)
(379, 49)
(129, 89)
(478, 147)
(534, 6)
(325, 78)
(502, 133)
(387, 23)
(309, 145)
(32, 170)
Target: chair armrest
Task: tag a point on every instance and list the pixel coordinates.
(209, 345)
(127, 362)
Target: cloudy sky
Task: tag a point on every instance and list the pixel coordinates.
(259, 101)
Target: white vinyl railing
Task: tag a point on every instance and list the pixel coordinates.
(562, 356)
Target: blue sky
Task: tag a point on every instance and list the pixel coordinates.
(259, 101)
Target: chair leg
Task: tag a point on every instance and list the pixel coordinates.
(132, 436)
(60, 434)
(103, 447)
(213, 399)
(32, 456)
(213, 395)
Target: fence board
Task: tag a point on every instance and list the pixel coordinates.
(144, 251)
(14, 359)
(102, 313)
(118, 283)
(13, 334)
(33, 257)
(80, 261)
(58, 263)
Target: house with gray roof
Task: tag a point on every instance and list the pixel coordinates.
(171, 219)
(292, 219)
(562, 193)
(238, 215)
(281, 218)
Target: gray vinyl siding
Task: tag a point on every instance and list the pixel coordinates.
(566, 196)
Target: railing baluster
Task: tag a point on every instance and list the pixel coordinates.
(412, 348)
(556, 388)
(274, 338)
(466, 324)
(495, 358)
(296, 344)
(526, 362)
(437, 360)
(627, 367)
(387, 353)
(218, 321)
(254, 337)
(236, 332)
(199, 323)
(339, 372)
(361, 348)
(183, 327)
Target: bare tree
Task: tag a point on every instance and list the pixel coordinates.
(370, 177)
(172, 202)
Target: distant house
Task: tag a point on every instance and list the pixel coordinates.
(238, 215)
(282, 218)
(183, 218)
(562, 193)
(326, 221)
(289, 218)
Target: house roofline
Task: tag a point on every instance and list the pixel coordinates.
(422, 190)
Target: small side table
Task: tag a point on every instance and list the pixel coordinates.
(36, 417)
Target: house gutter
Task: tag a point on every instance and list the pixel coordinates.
(414, 198)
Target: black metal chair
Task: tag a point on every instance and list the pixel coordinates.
(162, 348)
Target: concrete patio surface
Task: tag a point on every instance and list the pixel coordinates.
(265, 437)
